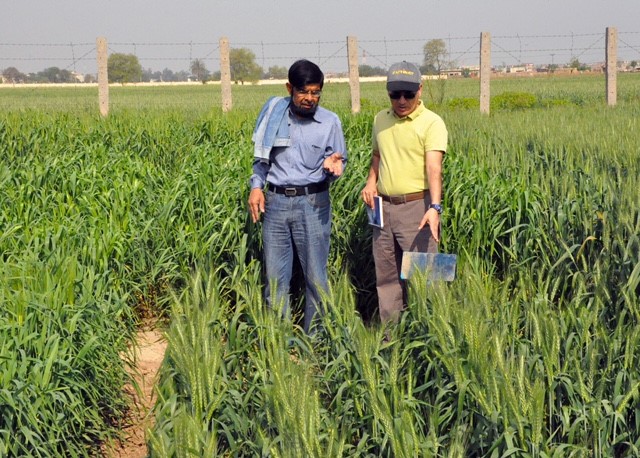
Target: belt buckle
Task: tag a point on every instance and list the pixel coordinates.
(290, 192)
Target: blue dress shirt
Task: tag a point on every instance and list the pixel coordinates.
(312, 140)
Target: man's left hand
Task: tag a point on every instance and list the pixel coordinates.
(333, 164)
(432, 218)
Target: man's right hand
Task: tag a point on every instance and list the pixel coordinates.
(368, 193)
(256, 204)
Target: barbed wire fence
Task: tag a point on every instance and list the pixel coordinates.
(600, 52)
(507, 50)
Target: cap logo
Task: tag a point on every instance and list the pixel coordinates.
(402, 72)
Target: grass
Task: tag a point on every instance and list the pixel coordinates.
(530, 352)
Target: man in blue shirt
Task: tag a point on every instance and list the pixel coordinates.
(299, 151)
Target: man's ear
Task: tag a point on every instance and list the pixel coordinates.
(289, 88)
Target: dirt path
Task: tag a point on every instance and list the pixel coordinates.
(150, 349)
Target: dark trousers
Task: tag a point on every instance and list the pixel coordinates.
(400, 233)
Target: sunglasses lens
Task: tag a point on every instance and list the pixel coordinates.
(397, 94)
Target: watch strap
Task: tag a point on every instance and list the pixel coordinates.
(436, 207)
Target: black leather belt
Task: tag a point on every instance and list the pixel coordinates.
(404, 198)
(293, 191)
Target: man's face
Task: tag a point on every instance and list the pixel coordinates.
(405, 102)
(305, 99)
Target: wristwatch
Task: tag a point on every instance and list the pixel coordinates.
(436, 207)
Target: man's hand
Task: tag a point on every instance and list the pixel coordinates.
(256, 204)
(368, 193)
(333, 164)
(432, 218)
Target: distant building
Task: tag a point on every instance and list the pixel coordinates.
(78, 77)
(524, 68)
(451, 72)
(470, 72)
(597, 67)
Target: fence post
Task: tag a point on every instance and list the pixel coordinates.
(225, 75)
(354, 75)
(485, 72)
(611, 70)
(103, 76)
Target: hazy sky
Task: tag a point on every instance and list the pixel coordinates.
(63, 32)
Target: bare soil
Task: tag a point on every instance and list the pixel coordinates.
(149, 353)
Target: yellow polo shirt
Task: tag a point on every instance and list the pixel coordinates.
(403, 143)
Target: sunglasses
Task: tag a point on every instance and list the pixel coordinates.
(408, 95)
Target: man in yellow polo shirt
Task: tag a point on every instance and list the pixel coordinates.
(409, 142)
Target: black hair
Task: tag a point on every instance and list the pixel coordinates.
(303, 72)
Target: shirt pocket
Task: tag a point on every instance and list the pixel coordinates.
(312, 157)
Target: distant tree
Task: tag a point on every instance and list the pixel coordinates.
(368, 70)
(167, 75)
(243, 65)
(55, 75)
(13, 75)
(435, 53)
(89, 78)
(215, 76)
(149, 75)
(199, 70)
(277, 73)
(181, 76)
(575, 63)
(124, 68)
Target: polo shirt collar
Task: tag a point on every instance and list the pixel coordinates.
(414, 114)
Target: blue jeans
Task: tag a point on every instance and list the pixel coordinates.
(303, 222)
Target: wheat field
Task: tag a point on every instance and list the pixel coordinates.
(531, 351)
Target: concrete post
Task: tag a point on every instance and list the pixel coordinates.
(103, 77)
(225, 75)
(354, 75)
(611, 69)
(485, 72)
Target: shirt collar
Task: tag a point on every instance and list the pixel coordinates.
(413, 115)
